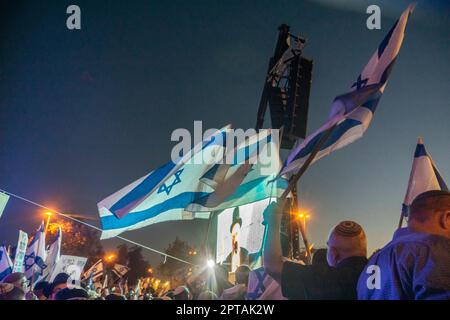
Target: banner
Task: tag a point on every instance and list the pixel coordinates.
(72, 265)
(20, 251)
(3, 201)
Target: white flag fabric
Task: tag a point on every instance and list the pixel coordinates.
(3, 201)
(21, 250)
(95, 271)
(424, 176)
(351, 113)
(36, 255)
(249, 179)
(174, 190)
(6, 265)
(53, 256)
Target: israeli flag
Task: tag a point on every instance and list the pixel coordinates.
(53, 255)
(424, 177)
(352, 112)
(34, 262)
(163, 194)
(6, 265)
(249, 178)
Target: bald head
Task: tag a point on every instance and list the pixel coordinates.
(430, 213)
(346, 240)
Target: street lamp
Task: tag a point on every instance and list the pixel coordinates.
(110, 257)
(49, 215)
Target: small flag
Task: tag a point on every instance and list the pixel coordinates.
(263, 287)
(351, 113)
(6, 265)
(120, 270)
(105, 282)
(95, 271)
(3, 201)
(34, 261)
(21, 250)
(424, 177)
(53, 255)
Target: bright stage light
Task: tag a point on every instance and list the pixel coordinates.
(210, 263)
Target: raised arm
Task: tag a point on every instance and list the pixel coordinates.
(272, 253)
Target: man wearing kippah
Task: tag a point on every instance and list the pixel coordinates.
(416, 263)
(346, 256)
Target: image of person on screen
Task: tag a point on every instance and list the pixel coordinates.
(239, 255)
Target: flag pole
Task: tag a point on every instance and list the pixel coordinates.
(296, 177)
(400, 223)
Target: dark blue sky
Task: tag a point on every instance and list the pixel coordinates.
(83, 113)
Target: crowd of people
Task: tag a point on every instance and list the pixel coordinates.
(414, 265)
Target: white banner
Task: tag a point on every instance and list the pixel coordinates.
(3, 201)
(20, 251)
(72, 265)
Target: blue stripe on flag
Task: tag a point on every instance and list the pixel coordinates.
(337, 133)
(440, 179)
(176, 202)
(386, 40)
(144, 187)
(5, 272)
(420, 151)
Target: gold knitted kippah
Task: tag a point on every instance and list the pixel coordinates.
(348, 229)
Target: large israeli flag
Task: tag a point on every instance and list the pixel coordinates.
(351, 113)
(249, 178)
(53, 256)
(424, 177)
(163, 194)
(6, 265)
(34, 262)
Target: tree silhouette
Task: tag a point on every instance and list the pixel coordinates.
(137, 264)
(77, 240)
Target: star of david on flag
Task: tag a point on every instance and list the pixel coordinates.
(167, 187)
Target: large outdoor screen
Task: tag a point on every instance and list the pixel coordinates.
(240, 233)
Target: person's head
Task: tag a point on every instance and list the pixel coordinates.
(18, 279)
(8, 291)
(72, 294)
(131, 295)
(207, 295)
(40, 290)
(147, 296)
(319, 257)
(182, 293)
(430, 213)
(60, 282)
(242, 272)
(346, 240)
(114, 296)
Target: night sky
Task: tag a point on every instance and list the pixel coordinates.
(84, 113)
